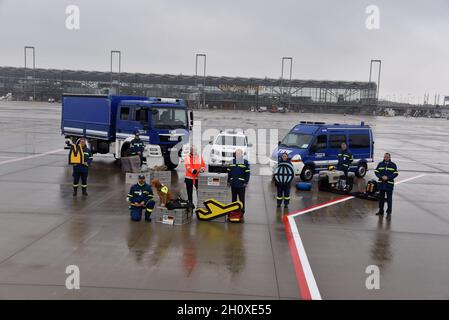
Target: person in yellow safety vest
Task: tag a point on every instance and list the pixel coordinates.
(81, 171)
(194, 165)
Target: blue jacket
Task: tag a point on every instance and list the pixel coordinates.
(238, 173)
(344, 160)
(137, 145)
(386, 169)
(139, 193)
(284, 173)
(88, 157)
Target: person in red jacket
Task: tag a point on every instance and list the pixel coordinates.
(194, 165)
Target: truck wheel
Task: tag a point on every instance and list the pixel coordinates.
(307, 173)
(170, 165)
(361, 170)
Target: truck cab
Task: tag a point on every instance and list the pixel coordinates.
(161, 122)
(109, 123)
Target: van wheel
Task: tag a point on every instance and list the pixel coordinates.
(126, 153)
(307, 173)
(361, 170)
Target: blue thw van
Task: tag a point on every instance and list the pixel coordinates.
(314, 146)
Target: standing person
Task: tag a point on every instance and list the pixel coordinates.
(344, 160)
(194, 165)
(137, 146)
(386, 171)
(140, 197)
(81, 171)
(238, 177)
(283, 178)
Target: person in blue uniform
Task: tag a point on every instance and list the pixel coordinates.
(140, 197)
(81, 171)
(283, 177)
(137, 146)
(344, 159)
(386, 172)
(238, 177)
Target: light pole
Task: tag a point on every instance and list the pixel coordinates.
(378, 76)
(204, 74)
(119, 66)
(290, 77)
(34, 70)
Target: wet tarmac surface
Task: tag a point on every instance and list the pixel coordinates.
(43, 229)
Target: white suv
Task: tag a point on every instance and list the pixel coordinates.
(223, 148)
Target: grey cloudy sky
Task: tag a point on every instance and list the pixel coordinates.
(327, 38)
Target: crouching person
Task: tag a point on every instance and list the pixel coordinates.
(140, 197)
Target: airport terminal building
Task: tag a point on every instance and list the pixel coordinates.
(210, 91)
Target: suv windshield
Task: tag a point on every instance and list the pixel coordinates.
(230, 141)
(296, 140)
(171, 118)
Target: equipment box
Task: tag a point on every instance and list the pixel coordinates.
(131, 178)
(214, 181)
(172, 217)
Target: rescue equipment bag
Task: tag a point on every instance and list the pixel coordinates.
(371, 187)
(178, 204)
(235, 216)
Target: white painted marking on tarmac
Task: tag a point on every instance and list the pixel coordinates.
(307, 269)
(31, 156)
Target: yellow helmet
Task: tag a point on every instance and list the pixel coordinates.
(331, 168)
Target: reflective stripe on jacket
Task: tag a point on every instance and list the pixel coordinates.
(388, 169)
(344, 160)
(238, 173)
(192, 163)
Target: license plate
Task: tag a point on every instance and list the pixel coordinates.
(173, 138)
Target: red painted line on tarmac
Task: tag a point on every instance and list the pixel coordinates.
(303, 282)
(304, 291)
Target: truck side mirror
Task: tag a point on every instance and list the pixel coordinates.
(313, 148)
(279, 143)
(191, 118)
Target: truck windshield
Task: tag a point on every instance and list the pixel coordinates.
(168, 118)
(296, 140)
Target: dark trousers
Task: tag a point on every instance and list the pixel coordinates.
(240, 193)
(136, 212)
(283, 194)
(382, 194)
(76, 179)
(189, 186)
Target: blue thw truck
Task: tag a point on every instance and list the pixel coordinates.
(109, 123)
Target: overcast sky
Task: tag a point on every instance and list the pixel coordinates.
(327, 39)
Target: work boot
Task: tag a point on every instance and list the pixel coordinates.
(147, 219)
(388, 216)
(379, 213)
(286, 206)
(75, 192)
(85, 192)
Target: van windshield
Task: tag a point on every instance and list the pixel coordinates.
(296, 140)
